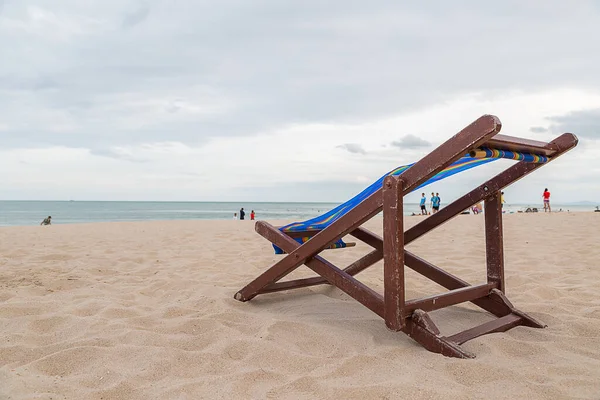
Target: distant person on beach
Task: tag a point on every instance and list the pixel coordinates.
(546, 197)
(252, 215)
(435, 203)
(502, 199)
(47, 221)
(235, 216)
(431, 202)
(422, 204)
(242, 213)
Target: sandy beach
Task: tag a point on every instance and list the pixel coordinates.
(146, 311)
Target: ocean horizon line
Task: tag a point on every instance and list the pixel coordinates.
(177, 201)
(526, 203)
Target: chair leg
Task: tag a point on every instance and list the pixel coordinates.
(494, 246)
(423, 330)
(393, 253)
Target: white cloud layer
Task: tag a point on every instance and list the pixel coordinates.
(157, 100)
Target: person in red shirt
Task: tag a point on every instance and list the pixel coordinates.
(252, 215)
(546, 197)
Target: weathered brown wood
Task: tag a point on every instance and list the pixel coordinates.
(299, 234)
(451, 282)
(335, 276)
(527, 320)
(496, 325)
(421, 328)
(520, 145)
(364, 262)
(494, 247)
(368, 237)
(293, 284)
(456, 296)
(393, 253)
(356, 267)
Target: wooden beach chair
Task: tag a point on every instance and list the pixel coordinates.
(476, 144)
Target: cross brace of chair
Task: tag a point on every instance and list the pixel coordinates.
(399, 314)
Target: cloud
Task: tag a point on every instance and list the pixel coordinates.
(272, 64)
(117, 153)
(354, 148)
(585, 123)
(538, 129)
(262, 92)
(136, 17)
(410, 142)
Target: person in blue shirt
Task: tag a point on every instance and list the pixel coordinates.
(435, 203)
(422, 204)
(431, 200)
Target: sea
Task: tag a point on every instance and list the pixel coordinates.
(23, 213)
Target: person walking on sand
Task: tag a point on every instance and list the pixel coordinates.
(546, 197)
(242, 213)
(422, 204)
(47, 221)
(252, 215)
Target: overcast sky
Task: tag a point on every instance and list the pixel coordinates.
(285, 101)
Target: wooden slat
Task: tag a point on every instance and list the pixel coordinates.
(452, 282)
(497, 325)
(456, 296)
(356, 267)
(299, 234)
(293, 284)
(511, 143)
